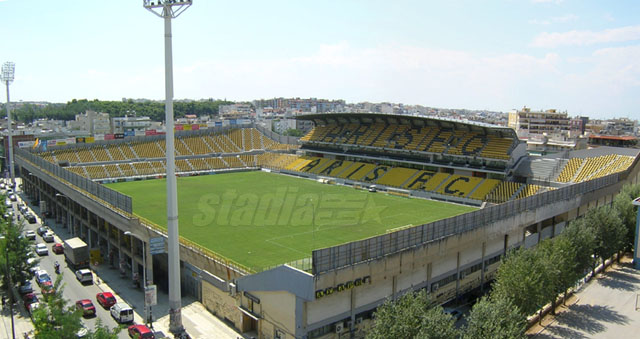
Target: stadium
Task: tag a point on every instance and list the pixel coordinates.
(304, 238)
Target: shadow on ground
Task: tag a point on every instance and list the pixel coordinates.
(622, 279)
(590, 318)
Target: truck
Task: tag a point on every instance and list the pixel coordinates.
(76, 253)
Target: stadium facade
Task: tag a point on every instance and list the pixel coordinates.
(523, 200)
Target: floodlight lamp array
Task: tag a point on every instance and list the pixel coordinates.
(8, 72)
(166, 8)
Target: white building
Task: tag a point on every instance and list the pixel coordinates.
(92, 122)
(129, 124)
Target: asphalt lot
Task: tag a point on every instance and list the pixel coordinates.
(73, 289)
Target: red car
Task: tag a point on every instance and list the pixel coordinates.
(140, 332)
(57, 248)
(86, 306)
(47, 288)
(29, 299)
(106, 299)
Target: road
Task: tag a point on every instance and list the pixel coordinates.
(73, 289)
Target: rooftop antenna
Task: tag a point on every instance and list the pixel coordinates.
(169, 9)
(7, 76)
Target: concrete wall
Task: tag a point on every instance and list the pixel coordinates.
(221, 304)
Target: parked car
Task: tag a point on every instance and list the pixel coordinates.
(84, 276)
(41, 249)
(141, 332)
(13, 197)
(57, 248)
(86, 306)
(25, 287)
(106, 299)
(122, 313)
(42, 276)
(48, 236)
(31, 235)
(42, 230)
(31, 218)
(29, 298)
(47, 288)
(82, 332)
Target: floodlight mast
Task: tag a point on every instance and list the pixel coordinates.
(169, 9)
(7, 76)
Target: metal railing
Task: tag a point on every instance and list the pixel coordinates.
(111, 197)
(241, 269)
(379, 246)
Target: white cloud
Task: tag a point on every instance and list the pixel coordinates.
(584, 38)
(554, 20)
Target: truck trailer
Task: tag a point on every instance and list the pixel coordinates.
(76, 253)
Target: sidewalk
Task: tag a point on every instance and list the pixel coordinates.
(21, 320)
(605, 307)
(197, 321)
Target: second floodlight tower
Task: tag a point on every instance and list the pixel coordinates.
(169, 9)
(7, 76)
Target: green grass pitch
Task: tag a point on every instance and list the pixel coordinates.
(261, 219)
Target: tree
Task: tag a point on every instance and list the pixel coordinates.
(521, 278)
(15, 252)
(102, 332)
(552, 254)
(495, 318)
(627, 212)
(54, 319)
(581, 237)
(410, 316)
(437, 325)
(294, 132)
(608, 229)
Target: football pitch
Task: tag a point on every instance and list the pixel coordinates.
(261, 219)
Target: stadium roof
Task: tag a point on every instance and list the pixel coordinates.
(326, 118)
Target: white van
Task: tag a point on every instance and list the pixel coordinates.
(122, 313)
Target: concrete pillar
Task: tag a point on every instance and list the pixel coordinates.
(89, 237)
(134, 263)
(149, 264)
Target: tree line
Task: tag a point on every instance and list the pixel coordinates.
(155, 110)
(526, 280)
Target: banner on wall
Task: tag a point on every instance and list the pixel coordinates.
(178, 128)
(109, 137)
(25, 144)
(118, 135)
(89, 140)
(150, 132)
(129, 133)
(98, 137)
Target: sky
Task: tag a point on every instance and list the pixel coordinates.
(579, 56)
